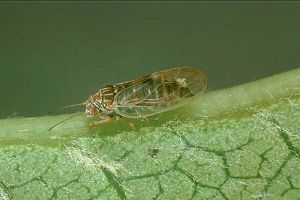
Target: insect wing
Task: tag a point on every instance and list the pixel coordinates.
(160, 92)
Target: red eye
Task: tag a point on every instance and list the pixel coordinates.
(91, 109)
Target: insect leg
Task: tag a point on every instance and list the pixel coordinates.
(104, 120)
(120, 118)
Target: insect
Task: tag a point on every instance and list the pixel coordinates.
(146, 96)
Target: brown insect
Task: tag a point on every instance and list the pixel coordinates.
(146, 96)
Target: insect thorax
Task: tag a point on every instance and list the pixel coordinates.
(105, 101)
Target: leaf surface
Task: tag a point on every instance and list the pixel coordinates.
(237, 143)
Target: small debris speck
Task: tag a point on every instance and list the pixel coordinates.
(153, 152)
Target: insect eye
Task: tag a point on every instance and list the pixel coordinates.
(91, 109)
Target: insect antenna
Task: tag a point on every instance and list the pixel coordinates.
(68, 106)
(64, 107)
(58, 123)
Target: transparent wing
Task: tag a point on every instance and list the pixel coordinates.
(159, 92)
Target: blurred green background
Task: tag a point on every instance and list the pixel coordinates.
(58, 53)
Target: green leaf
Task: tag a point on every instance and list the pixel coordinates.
(237, 143)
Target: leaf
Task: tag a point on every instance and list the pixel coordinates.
(238, 143)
